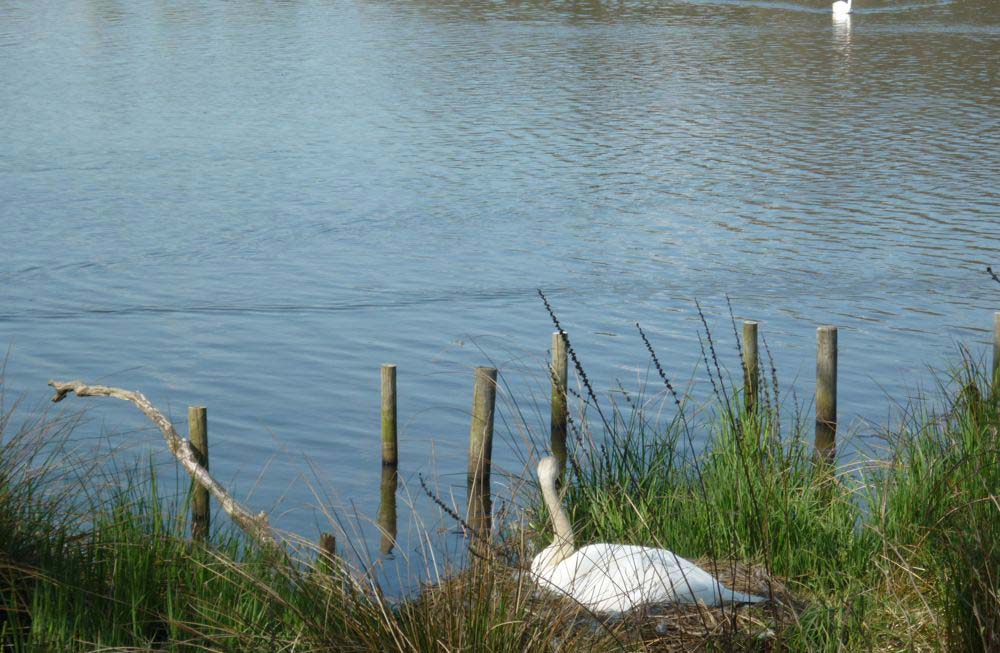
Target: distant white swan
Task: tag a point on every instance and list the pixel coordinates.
(841, 8)
(615, 578)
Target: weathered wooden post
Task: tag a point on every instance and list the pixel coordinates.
(327, 561)
(481, 449)
(390, 461)
(198, 434)
(996, 352)
(387, 509)
(390, 453)
(560, 413)
(826, 393)
(327, 545)
(751, 365)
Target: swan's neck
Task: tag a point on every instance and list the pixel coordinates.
(562, 543)
(849, 4)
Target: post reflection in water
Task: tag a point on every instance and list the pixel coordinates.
(387, 509)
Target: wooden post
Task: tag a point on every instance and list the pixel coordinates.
(327, 561)
(327, 545)
(751, 365)
(996, 352)
(390, 454)
(198, 434)
(826, 393)
(481, 449)
(387, 509)
(560, 413)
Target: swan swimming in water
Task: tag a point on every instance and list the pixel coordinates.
(615, 578)
(841, 8)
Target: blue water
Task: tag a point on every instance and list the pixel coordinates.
(251, 206)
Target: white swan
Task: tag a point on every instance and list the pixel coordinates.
(615, 578)
(841, 8)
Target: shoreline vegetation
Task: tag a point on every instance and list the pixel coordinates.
(892, 552)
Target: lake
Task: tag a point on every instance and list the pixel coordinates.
(253, 205)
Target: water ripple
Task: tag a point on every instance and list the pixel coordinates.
(196, 196)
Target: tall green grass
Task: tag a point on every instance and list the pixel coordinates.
(87, 564)
(887, 554)
(897, 552)
(937, 504)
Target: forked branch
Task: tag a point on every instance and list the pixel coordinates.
(256, 526)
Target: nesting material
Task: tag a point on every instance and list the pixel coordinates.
(685, 627)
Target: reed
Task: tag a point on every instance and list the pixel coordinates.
(104, 562)
(859, 548)
(893, 553)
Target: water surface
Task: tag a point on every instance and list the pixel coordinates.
(252, 205)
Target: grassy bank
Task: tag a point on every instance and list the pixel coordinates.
(896, 553)
(899, 551)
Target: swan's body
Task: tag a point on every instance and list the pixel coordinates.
(615, 578)
(841, 8)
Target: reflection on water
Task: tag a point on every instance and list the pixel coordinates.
(842, 33)
(387, 509)
(236, 204)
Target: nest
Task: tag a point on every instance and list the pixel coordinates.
(687, 627)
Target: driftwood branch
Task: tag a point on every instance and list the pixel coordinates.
(254, 525)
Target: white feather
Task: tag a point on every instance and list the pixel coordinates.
(615, 578)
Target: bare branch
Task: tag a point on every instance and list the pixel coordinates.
(256, 526)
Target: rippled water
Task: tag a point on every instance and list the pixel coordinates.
(253, 205)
